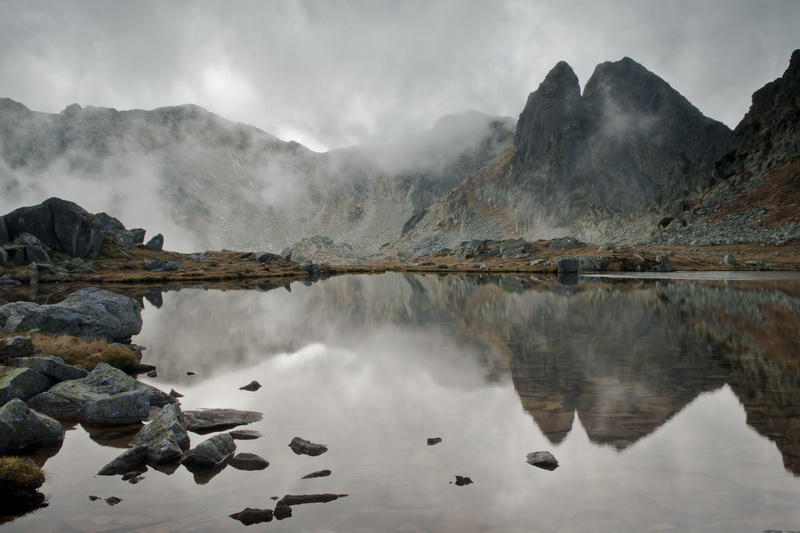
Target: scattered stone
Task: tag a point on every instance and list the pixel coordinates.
(53, 367)
(463, 480)
(318, 473)
(245, 434)
(542, 460)
(175, 394)
(303, 447)
(434, 440)
(728, 260)
(130, 460)
(156, 243)
(248, 461)
(191, 373)
(282, 511)
(252, 386)
(249, 516)
(300, 499)
(89, 312)
(211, 451)
(22, 383)
(132, 477)
(18, 346)
(266, 257)
(165, 437)
(94, 498)
(113, 500)
(210, 420)
(22, 428)
(274, 498)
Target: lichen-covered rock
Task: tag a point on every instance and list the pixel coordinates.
(211, 452)
(131, 460)
(22, 428)
(22, 383)
(51, 366)
(165, 436)
(103, 394)
(18, 346)
(89, 312)
(210, 420)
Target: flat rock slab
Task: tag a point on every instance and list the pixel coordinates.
(210, 420)
(300, 499)
(245, 434)
(542, 460)
(248, 461)
(303, 447)
(249, 516)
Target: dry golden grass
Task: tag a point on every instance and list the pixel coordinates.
(20, 473)
(84, 352)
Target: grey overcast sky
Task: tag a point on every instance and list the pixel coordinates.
(332, 73)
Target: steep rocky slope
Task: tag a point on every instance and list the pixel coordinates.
(758, 197)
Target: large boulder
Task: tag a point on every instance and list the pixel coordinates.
(165, 437)
(107, 396)
(211, 452)
(63, 226)
(22, 428)
(51, 366)
(89, 312)
(22, 383)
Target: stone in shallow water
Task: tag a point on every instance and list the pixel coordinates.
(252, 386)
(129, 461)
(165, 437)
(303, 447)
(434, 440)
(542, 460)
(463, 480)
(245, 434)
(318, 473)
(210, 420)
(211, 452)
(248, 516)
(248, 461)
(300, 499)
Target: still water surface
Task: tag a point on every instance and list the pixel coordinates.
(671, 406)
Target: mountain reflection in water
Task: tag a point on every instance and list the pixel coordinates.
(647, 391)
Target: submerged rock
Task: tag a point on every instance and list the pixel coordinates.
(542, 460)
(89, 312)
(211, 452)
(131, 460)
(210, 420)
(22, 428)
(248, 461)
(300, 499)
(303, 447)
(249, 516)
(165, 437)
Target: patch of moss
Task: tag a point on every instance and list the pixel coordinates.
(20, 474)
(85, 352)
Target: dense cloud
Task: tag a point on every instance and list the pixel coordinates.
(332, 74)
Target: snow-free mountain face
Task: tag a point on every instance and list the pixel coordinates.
(603, 163)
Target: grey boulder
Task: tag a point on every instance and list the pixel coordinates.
(21, 383)
(131, 460)
(156, 243)
(106, 396)
(22, 428)
(544, 460)
(210, 420)
(89, 312)
(19, 346)
(211, 452)
(165, 437)
(51, 366)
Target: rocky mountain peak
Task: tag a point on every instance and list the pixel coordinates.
(550, 125)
